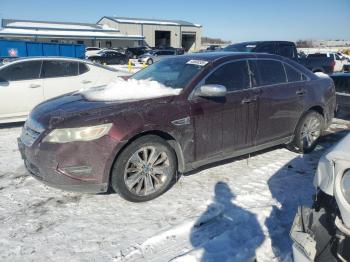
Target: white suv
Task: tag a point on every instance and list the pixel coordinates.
(26, 82)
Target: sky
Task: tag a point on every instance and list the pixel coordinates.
(231, 20)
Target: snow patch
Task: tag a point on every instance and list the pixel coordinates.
(130, 89)
(322, 75)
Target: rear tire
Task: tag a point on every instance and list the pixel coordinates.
(307, 133)
(145, 169)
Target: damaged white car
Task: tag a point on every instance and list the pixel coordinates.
(322, 232)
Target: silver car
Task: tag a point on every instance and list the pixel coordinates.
(155, 55)
(322, 233)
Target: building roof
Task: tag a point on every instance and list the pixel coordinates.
(129, 20)
(32, 24)
(26, 28)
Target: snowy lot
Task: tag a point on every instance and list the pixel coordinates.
(227, 212)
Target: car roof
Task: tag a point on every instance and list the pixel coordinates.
(30, 58)
(216, 56)
(60, 58)
(261, 42)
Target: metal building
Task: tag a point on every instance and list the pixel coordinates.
(66, 32)
(174, 33)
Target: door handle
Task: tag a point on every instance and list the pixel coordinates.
(86, 81)
(248, 100)
(301, 92)
(34, 85)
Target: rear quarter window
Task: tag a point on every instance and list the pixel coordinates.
(83, 68)
(293, 75)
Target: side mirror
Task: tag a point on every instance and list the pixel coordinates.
(211, 91)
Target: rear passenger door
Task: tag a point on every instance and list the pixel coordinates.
(60, 77)
(281, 101)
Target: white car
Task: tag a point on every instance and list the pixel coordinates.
(26, 82)
(322, 233)
(90, 51)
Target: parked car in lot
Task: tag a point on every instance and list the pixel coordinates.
(155, 55)
(216, 106)
(342, 88)
(90, 51)
(109, 57)
(337, 61)
(315, 63)
(322, 232)
(27, 82)
(134, 52)
(282, 48)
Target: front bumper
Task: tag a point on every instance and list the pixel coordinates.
(77, 166)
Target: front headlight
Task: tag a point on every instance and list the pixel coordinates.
(345, 185)
(87, 133)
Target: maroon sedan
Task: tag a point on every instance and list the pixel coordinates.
(223, 105)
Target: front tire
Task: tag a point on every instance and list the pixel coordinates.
(150, 61)
(145, 169)
(307, 133)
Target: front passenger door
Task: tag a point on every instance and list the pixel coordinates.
(225, 124)
(20, 89)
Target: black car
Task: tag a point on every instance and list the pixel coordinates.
(282, 48)
(342, 87)
(109, 58)
(134, 52)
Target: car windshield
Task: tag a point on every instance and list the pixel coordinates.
(173, 72)
(246, 47)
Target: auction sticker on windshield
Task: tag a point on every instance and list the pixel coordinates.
(197, 62)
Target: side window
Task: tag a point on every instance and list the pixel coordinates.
(83, 68)
(234, 76)
(21, 71)
(286, 50)
(265, 48)
(271, 72)
(293, 75)
(59, 69)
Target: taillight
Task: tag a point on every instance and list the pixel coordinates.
(333, 64)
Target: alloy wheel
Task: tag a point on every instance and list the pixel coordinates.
(147, 171)
(310, 132)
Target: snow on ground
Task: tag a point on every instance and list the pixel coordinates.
(231, 211)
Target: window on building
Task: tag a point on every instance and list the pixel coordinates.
(108, 44)
(80, 42)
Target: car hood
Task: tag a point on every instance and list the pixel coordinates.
(326, 171)
(73, 110)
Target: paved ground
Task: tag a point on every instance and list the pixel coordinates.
(231, 211)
